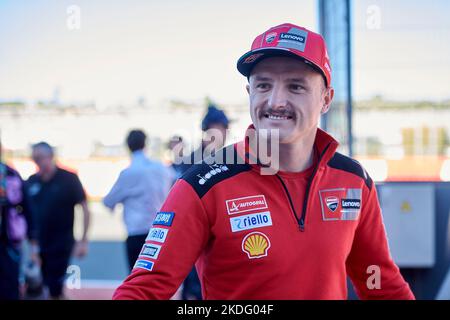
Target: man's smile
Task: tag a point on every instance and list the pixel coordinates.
(277, 115)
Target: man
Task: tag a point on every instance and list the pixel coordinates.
(54, 192)
(175, 147)
(214, 127)
(296, 234)
(16, 223)
(141, 188)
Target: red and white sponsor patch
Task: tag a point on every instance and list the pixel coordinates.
(341, 204)
(270, 37)
(246, 204)
(331, 209)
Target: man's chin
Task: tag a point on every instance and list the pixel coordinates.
(282, 126)
(282, 135)
(285, 135)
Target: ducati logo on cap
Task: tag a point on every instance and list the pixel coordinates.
(332, 203)
(270, 37)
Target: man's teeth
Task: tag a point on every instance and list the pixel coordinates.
(274, 117)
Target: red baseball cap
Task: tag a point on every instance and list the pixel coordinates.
(291, 41)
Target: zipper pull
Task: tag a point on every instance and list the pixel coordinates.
(302, 225)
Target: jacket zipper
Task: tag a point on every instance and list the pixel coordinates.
(289, 197)
(301, 220)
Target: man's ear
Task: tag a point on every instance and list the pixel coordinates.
(247, 87)
(327, 99)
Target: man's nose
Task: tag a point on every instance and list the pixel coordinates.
(277, 98)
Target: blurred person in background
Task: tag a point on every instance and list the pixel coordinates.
(16, 223)
(54, 192)
(175, 146)
(141, 189)
(214, 126)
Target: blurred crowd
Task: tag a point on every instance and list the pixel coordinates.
(37, 216)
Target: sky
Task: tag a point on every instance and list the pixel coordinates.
(408, 57)
(187, 50)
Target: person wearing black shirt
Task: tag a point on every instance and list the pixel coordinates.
(54, 192)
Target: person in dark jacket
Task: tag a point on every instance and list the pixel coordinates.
(16, 224)
(214, 126)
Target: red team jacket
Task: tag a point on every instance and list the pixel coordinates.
(283, 236)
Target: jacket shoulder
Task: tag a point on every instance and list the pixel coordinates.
(224, 165)
(67, 173)
(347, 164)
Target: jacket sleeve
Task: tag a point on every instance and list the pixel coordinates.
(186, 238)
(370, 257)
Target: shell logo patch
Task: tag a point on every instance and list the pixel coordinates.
(256, 245)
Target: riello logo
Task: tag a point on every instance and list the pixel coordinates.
(215, 169)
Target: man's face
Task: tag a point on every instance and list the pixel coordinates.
(288, 95)
(43, 159)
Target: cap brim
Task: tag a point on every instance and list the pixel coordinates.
(246, 63)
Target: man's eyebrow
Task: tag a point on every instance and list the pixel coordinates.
(297, 80)
(262, 78)
(300, 80)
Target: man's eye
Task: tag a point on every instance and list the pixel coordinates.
(262, 86)
(296, 87)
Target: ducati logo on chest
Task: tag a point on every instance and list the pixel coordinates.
(332, 203)
(340, 203)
